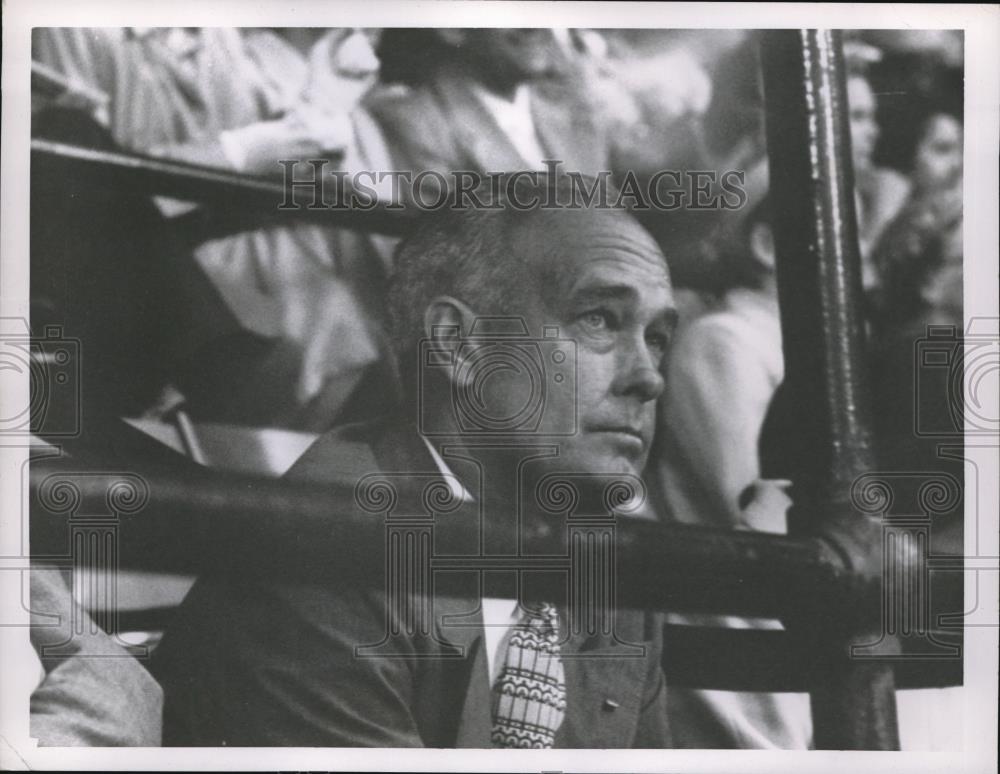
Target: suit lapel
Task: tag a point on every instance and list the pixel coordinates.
(488, 148)
(459, 622)
(604, 687)
(398, 448)
(564, 124)
(555, 130)
(604, 678)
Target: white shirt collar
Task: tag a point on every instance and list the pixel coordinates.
(519, 107)
(499, 615)
(516, 120)
(458, 491)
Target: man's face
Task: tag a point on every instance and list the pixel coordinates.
(864, 129)
(514, 55)
(603, 281)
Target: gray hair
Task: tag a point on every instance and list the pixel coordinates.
(466, 252)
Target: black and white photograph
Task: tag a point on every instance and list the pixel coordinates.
(554, 387)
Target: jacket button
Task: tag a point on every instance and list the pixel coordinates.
(611, 704)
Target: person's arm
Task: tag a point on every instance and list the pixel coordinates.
(715, 401)
(319, 123)
(418, 138)
(89, 60)
(275, 665)
(94, 693)
(925, 219)
(888, 192)
(257, 148)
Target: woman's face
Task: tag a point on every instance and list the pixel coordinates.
(938, 160)
(864, 129)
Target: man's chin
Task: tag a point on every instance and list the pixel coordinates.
(604, 465)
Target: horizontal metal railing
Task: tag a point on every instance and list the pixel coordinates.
(224, 523)
(239, 200)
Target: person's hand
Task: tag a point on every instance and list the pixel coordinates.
(948, 205)
(935, 211)
(303, 134)
(764, 505)
(331, 131)
(672, 85)
(342, 68)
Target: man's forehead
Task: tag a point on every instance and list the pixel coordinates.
(593, 248)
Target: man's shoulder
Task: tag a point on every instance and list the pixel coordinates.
(342, 452)
(350, 451)
(396, 105)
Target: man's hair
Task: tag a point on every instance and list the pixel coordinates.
(410, 55)
(467, 252)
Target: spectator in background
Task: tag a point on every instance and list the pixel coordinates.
(920, 253)
(242, 99)
(723, 370)
(650, 95)
(650, 90)
(920, 258)
(487, 100)
(879, 191)
(502, 100)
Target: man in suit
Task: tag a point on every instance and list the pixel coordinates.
(475, 661)
(485, 100)
(501, 100)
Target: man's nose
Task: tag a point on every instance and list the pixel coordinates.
(638, 374)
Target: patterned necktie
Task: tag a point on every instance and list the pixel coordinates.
(529, 697)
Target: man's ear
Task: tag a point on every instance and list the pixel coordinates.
(447, 321)
(446, 317)
(762, 244)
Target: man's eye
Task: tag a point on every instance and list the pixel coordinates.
(597, 319)
(658, 341)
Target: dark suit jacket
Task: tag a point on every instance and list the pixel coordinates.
(249, 662)
(443, 126)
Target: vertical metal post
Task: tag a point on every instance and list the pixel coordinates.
(825, 394)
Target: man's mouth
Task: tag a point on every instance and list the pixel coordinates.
(627, 433)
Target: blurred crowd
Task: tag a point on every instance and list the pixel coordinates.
(283, 325)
